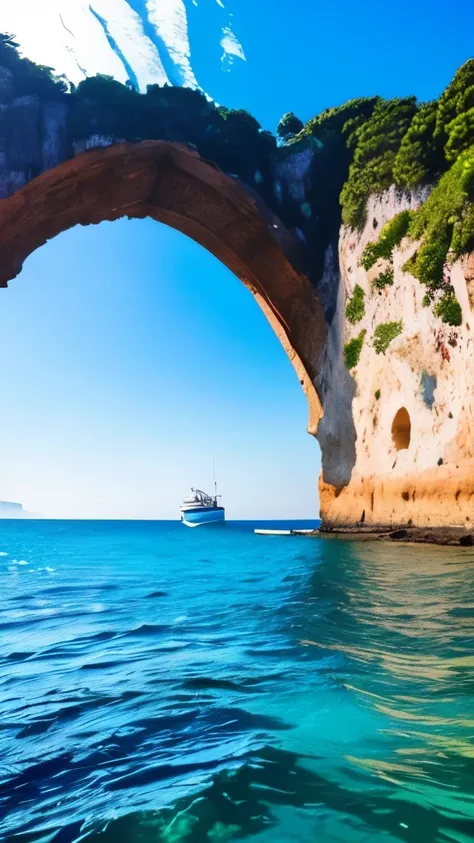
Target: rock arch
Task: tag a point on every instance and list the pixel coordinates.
(102, 151)
(172, 184)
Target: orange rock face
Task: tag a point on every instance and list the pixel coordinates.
(438, 497)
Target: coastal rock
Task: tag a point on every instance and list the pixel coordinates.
(427, 371)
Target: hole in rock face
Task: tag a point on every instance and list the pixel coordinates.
(401, 430)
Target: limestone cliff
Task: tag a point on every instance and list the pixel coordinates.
(412, 406)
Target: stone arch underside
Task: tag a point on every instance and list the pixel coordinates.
(172, 184)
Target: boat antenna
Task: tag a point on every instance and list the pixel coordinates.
(215, 481)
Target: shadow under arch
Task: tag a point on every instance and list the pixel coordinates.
(172, 184)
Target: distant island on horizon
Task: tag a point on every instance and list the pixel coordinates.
(13, 509)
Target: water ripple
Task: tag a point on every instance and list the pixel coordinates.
(159, 685)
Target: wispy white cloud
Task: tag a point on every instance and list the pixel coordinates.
(169, 18)
(85, 37)
(64, 35)
(126, 27)
(232, 48)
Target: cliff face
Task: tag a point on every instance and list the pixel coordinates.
(412, 406)
(33, 135)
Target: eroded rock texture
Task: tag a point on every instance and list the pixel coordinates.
(413, 406)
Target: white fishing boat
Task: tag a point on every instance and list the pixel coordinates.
(294, 532)
(199, 508)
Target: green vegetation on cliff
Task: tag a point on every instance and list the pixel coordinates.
(407, 145)
(420, 157)
(384, 142)
(385, 279)
(289, 126)
(352, 350)
(444, 225)
(391, 235)
(356, 305)
(326, 136)
(366, 145)
(27, 78)
(384, 334)
(449, 309)
(375, 143)
(456, 102)
(334, 123)
(232, 138)
(445, 222)
(104, 106)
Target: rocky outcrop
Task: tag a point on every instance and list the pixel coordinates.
(412, 406)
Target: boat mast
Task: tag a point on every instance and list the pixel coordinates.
(215, 481)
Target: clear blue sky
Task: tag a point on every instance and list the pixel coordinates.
(131, 356)
(307, 55)
(131, 359)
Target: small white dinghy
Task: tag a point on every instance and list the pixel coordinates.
(285, 532)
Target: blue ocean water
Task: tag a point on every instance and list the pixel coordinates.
(165, 684)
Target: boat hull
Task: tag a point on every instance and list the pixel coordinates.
(294, 532)
(204, 515)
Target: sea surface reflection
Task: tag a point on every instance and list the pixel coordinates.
(163, 684)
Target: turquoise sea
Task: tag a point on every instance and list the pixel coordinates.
(165, 684)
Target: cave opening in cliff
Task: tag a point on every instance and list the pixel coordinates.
(401, 430)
